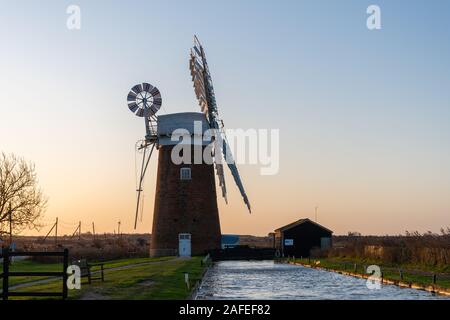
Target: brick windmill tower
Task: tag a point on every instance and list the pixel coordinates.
(191, 146)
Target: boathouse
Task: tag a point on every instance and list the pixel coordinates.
(298, 238)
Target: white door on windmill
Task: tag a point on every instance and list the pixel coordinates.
(184, 244)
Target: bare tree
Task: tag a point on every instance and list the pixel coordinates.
(22, 203)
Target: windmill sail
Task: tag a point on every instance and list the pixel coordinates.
(204, 92)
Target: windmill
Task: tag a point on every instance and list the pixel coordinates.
(185, 216)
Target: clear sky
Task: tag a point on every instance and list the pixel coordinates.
(363, 115)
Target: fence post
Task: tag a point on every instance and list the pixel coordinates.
(186, 280)
(356, 268)
(65, 266)
(5, 253)
(434, 278)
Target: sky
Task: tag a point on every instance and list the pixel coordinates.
(363, 114)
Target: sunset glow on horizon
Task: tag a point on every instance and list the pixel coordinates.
(363, 116)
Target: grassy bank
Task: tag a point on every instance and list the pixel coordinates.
(33, 266)
(134, 279)
(405, 274)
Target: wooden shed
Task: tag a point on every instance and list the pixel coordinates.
(298, 238)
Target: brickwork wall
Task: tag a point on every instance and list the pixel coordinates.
(184, 207)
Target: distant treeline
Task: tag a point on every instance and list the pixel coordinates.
(88, 246)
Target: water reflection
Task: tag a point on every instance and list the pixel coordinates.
(269, 280)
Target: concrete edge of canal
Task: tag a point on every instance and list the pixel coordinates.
(195, 289)
(402, 284)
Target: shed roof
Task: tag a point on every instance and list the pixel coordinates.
(298, 222)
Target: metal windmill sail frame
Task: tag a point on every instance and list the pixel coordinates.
(144, 100)
(145, 161)
(204, 91)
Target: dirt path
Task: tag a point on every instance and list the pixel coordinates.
(47, 280)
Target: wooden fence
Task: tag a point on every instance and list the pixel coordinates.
(6, 274)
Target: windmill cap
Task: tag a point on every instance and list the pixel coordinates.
(192, 124)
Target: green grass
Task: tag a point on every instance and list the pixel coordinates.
(32, 266)
(411, 273)
(162, 280)
(367, 261)
(28, 265)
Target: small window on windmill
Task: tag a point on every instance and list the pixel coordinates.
(185, 174)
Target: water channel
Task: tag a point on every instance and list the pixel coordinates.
(270, 280)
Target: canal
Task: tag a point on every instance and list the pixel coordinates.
(269, 280)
